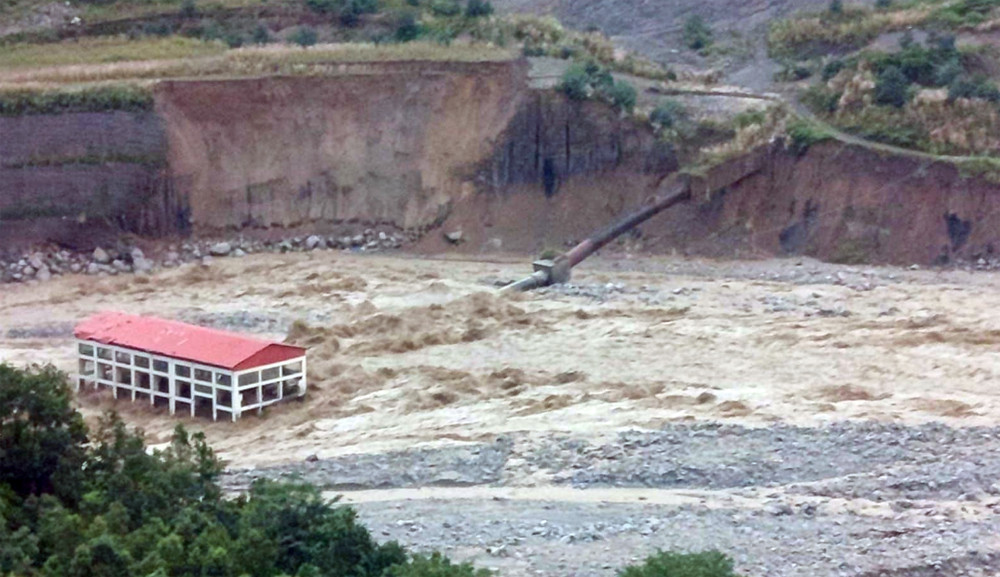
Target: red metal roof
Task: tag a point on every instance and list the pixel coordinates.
(213, 347)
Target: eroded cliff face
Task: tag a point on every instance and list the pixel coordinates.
(468, 147)
(377, 143)
(839, 203)
(561, 169)
(62, 175)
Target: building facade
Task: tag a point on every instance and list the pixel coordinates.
(186, 367)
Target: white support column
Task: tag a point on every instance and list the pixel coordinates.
(171, 386)
(302, 393)
(234, 386)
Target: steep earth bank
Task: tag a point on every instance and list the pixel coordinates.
(843, 203)
(379, 143)
(464, 147)
(57, 172)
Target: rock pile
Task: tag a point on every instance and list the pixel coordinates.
(45, 262)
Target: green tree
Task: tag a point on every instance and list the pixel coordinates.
(836, 7)
(260, 35)
(666, 564)
(478, 8)
(697, 34)
(436, 565)
(310, 530)
(42, 437)
(892, 87)
(304, 36)
(623, 96)
(407, 28)
(445, 7)
(576, 82)
(162, 513)
(669, 114)
(352, 11)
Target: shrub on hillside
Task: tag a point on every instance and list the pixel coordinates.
(478, 8)
(304, 36)
(669, 114)
(821, 99)
(407, 28)
(666, 564)
(446, 8)
(350, 14)
(832, 68)
(622, 96)
(892, 87)
(697, 35)
(260, 35)
(803, 134)
(576, 82)
(973, 87)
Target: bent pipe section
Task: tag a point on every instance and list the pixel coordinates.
(559, 272)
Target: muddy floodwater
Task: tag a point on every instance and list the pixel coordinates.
(754, 392)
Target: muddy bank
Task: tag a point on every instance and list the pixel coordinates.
(377, 143)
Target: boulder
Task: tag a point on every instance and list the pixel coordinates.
(220, 249)
(314, 242)
(101, 256)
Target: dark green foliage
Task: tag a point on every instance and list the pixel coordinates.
(304, 36)
(964, 13)
(883, 4)
(931, 65)
(669, 114)
(435, 566)
(445, 7)
(162, 514)
(622, 96)
(889, 125)
(260, 35)
(478, 8)
(804, 134)
(407, 28)
(820, 99)
(92, 99)
(836, 7)
(793, 72)
(973, 87)
(750, 118)
(351, 12)
(831, 69)
(41, 437)
(591, 80)
(664, 564)
(189, 9)
(576, 82)
(233, 39)
(325, 6)
(892, 87)
(697, 35)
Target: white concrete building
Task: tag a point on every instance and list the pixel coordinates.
(186, 367)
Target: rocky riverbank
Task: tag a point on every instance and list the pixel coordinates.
(846, 499)
(43, 263)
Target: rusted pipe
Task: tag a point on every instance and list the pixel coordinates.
(558, 271)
